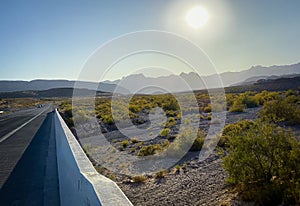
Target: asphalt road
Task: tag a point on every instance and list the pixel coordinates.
(28, 168)
(13, 120)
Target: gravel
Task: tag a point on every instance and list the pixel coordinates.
(201, 183)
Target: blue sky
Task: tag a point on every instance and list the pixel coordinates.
(53, 39)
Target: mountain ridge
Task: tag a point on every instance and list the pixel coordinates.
(172, 83)
(44, 84)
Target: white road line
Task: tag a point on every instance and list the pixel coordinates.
(20, 127)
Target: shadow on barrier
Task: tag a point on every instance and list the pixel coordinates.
(79, 182)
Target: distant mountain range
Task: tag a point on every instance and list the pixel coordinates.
(230, 78)
(280, 84)
(41, 84)
(51, 93)
(175, 83)
(137, 83)
(253, 80)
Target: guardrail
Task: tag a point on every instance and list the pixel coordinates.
(79, 182)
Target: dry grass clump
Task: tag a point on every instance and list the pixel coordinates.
(139, 178)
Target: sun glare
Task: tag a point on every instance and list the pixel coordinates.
(197, 17)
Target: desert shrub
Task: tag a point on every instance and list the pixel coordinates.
(230, 98)
(80, 115)
(107, 119)
(184, 166)
(112, 177)
(165, 143)
(125, 143)
(249, 101)
(208, 117)
(292, 99)
(133, 115)
(134, 140)
(121, 148)
(272, 95)
(178, 168)
(134, 108)
(291, 92)
(139, 178)
(259, 99)
(265, 96)
(171, 113)
(264, 164)
(207, 109)
(171, 104)
(147, 150)
(231, 129)
(243, 101)
(171, 122)
(199, 141)
(165, 132)
(238, 106)
(280, 111)
(161, 174)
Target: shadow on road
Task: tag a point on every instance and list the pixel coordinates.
(34, 180)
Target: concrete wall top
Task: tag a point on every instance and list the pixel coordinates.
(78, 178)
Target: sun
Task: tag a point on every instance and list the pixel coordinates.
(197, 17)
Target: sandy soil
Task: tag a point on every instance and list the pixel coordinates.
(200, 183)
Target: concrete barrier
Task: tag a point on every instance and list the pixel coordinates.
(79, 182)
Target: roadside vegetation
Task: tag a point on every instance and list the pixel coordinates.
(264, 164)
(12, 104)
(261, 157)
(263, 160)
(276, 107)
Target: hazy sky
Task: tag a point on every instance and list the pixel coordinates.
(53, 39)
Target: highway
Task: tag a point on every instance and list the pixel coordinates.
(28, 168)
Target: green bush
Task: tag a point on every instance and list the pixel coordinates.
(199, 141)
(280, 111)
(238, 106)
(178, 168)
(265, 96)
(171, 104)
(171, 122)
(243, 101)
(264, 163)
(125, 143)
(230, 98)
(107, 119)
(232, 129)
(147, 150)
(165, 132)
(165, 143)
(133, 108)
(249, 101)
(291, 92)
(184, 166)
(134, 140)
(171, 113)
(207, 109)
